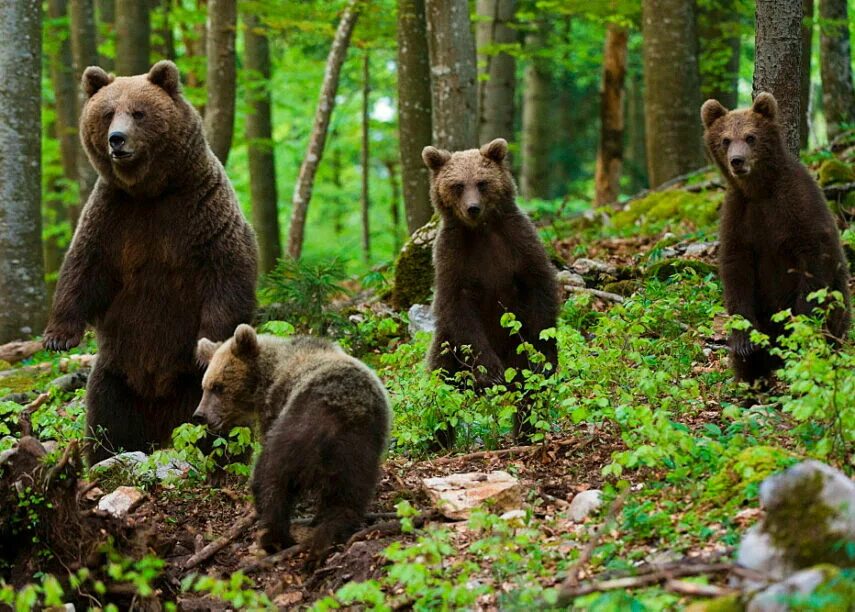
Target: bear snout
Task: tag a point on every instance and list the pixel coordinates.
(117, 140)
(473, 210)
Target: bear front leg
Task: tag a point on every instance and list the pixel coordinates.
(737, 275)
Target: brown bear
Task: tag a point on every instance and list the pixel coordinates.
(778, 239)
(161, 256)
(488, 260)
(325, 419)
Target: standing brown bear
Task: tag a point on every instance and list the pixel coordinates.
(161, 257)
(325, 419)
(488, 260)
(779, 242)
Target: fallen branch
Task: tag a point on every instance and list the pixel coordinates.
(217, 545)
(603, 295)
(698, 590)
(513, 450)
(388, 528)
(13, 352)
(24, 418)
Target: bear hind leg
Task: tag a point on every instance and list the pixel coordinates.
(114, 421)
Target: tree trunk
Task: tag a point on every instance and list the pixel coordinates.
(106, 23)
(777, 64)
(610, 154)
(536, 131)
(453, 74)
(166, 48)
(719, 46)
(635, 164)
(133, 37)
(835, 57)
(366, 157)
(804, 86)
(672, 89)
(22, 284)
(259, 136)
(85, 54)
(221, 76)
(414, 110)
(394, 209)
(318, 136)
(498, 69)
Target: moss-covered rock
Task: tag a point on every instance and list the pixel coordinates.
(700, 208)
(835, 171)
(624, 287)
(414, 268)
(727, 603)
(740, 475)
(666, 268)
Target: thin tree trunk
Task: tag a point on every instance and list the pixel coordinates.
(133, 37)
(166, 31)
(336, 169)
(534, 178)
(318, 136)
(259, 136)
(85, 54)
(835, 56)
(106, 22)
(719, 45)
(394, 207)
(610, 154)
(366, 157)
(807, 55)
(453, 74)
(496, 91)
(777, 64)
(221, 76)
(22, 284)
(414, 110)
(635, 164)
(672, 89)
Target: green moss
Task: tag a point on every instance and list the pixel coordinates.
(624, 287)
(835, 171)
(739, 478)
(728, 603)
(673, 205)
(666, 268)
(838, 589)
(414, 268)
(20, 381)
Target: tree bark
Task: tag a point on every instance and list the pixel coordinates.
(497, 84)
(610, 154)
(672, 89)
(366, 157)
(221, 76)
(835, 56)
(394, 188)
(414, 110)
(106, 23)
(85, 54)
(719, 44)
(804, 86)
(636, 155)
(318, 136)
(22, 285)
(537, 85)
(777, 64)
(133, 37)
(453, 74)
(259, 136)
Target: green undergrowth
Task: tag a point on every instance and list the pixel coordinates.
(671, 210)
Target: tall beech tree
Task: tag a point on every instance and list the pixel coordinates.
(221, 76)
(804, 86)
(497, 82)
(835, 57)
(610, 152)
(536, 127)
(85, 53)
(133, 37)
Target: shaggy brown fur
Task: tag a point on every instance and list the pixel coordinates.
(488, 260)
(325, 420)
(161, 257)
(778, 239)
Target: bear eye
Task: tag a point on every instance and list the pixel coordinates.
(725, 142)
(138, 115)
(217, 388)
(457, 187)
(482, 185)
(750, 139)
(108, 115)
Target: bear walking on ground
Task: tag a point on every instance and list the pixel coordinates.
(325, 420)
(161, 257)
(488, 260)
(778, 239)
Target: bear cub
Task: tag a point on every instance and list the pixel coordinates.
(488, 260)
(778, 239)
(324, 417)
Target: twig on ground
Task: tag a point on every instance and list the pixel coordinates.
(513, 450)
(24, 418)
(603, 295)
(698, 590)
(217, 545)
(70, 451)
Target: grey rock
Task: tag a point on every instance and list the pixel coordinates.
(71, 382)
(584, 504)
(19, 398)
(456, 495)
(584, 265)
(130, 460)
(121, 502)
(567, 278)
(701, 249)
(775, 598)
(421, 319)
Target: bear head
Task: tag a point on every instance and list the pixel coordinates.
(138, 131)
(744, 143)
(472, 185)
(231, 380)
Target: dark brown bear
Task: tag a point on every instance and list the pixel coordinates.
(779, 242)
(488, 260)
(325, 420)
(161, 257)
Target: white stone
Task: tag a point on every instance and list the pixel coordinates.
(132, 459)
(455, 496)
(584, 504)
(567, 278)
(583, 265)
(701, 249)
(421, 319)
(774, 599)
(121, 502)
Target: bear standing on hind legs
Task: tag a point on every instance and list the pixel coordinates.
(488, 260)
(161, 257)
(779, 242)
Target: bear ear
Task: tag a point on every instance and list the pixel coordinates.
(766, 105)
(164, 74)
(94, 78)
(435, 158)
(246, 342)
(711, 111)
(495, 150)
(205, 350)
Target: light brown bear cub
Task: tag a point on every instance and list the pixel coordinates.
(325, 419)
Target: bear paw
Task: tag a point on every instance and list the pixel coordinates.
(60, 337)
(742, 346)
